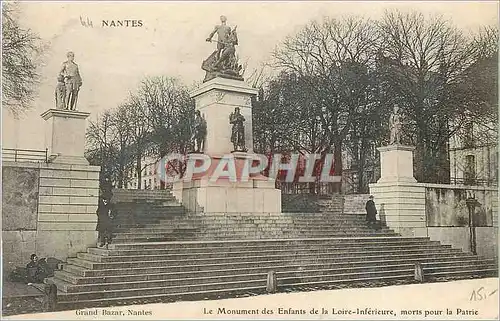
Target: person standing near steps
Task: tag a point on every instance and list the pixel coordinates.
(371, 211)
(104, 226)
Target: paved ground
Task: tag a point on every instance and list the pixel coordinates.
(467, 299)
(18, 289)
(19, 298)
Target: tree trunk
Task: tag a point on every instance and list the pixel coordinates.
(337, 163)
(138, 169)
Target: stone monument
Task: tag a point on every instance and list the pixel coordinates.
(225, 96)
(69, 186)
(396, 160)
(399, 198)
(65, 134)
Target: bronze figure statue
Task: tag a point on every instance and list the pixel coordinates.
(199, 133)
(72, 79)
(223, 61)
(238, 131)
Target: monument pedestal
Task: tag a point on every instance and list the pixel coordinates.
(66, 136)
(68, 189)
(400, 200)
(233, 193)
(230, 192)
(396, 164)
(216, 100)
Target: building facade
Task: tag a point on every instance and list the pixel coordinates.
(474, 155)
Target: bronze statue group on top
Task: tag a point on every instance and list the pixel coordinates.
(223, 61)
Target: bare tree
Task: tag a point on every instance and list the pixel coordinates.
(425, 58)
(331, 58)
(101, 144)
(20, 49)
(119, 121)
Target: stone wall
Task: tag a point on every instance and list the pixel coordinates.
(19, 213)
(401, 206)
(439, 212)
(67, 209)
(48, 209)
(459, 238)
(446, 205)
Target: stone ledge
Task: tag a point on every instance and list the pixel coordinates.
(396, 147)
(68, 182)
(66, 191)
(21, 164)
(67, 226)
(224, 84)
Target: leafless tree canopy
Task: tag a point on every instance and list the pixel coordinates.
(153, 121)
(352, 70)
(20, 49)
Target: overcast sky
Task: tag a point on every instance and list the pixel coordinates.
(171, 42)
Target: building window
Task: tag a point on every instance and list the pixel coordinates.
(470, 170)
(469, 135)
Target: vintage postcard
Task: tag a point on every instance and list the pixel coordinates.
(250, 160)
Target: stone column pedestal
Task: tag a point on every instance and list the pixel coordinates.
(68, 189)
(396, 164)
(235, 194)
(400, 200)
(66, 136)
(216, 100)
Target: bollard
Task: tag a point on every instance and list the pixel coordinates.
(419, 272)
(271, 282)
(50, 298)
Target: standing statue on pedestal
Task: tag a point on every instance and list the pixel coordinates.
(60, 93)
(395, 125)
(72, 80)
(238, 131)
(223, 62)
(199, 133)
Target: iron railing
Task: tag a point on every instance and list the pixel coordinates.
(306, 188)
(473, 181)
(25, 155)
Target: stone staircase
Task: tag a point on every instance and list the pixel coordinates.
(161, 253)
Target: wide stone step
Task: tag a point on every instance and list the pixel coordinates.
(256, 255)
(257, 249)
(249, 227)
(225, 269)
(157, 225)
(186, 295)
(247, 231)
(280, 270)
(283, 277)
(272, 242)
(254, 261)
(402, 273)
(270, 219)
(186, 236)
